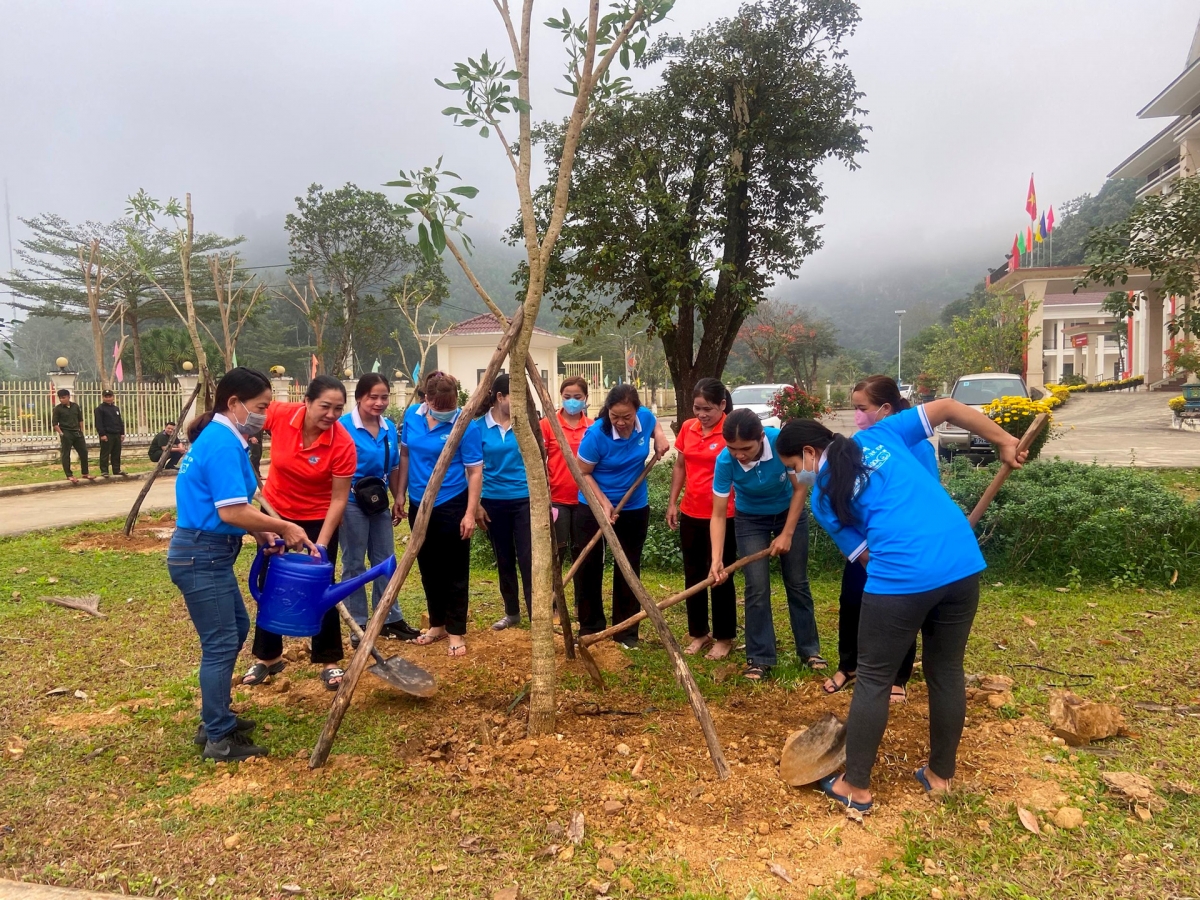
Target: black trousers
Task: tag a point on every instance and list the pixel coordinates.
(889, 625)
(854, 581)
(110, 453)
(631, 527)
(564, 529)
(326, 645)
(509, 531)
(445, 563)
(68, 442)
(696, 543)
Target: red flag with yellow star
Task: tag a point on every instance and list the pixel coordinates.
(1031, 200)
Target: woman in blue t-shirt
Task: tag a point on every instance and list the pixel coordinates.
(879, 504)
(770, 513)
(875, 398)
(504, 505)
(612, 455)
(212, 493)
(445, 554)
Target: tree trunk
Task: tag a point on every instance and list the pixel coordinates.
(135, 337)
(185, 262)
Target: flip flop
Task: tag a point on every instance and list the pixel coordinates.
(327, 676)
(458, 650)
(260, 672)
(849, 680)
(425, 640)
(826, 785)
(712, 654)
(901, 697)
(705, 643)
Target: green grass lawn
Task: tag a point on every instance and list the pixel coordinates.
(11, 476)
(445, 798)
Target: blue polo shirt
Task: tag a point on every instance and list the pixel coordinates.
(763, 487)
(425, 446)
(378, 455)
(504, 475)
(919, 539)
(619, 461)
(216, 472)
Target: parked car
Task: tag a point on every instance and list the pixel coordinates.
(977, 391)
(758, 397)
(908, 392)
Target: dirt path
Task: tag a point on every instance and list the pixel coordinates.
(55, 509)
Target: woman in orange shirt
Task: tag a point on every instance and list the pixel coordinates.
(564, 492)
(697, 446)
(312, 462)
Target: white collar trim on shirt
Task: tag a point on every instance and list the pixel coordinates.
(357, 421)
(767, 456)
(637, 427)
(228, 423)
(492, 423)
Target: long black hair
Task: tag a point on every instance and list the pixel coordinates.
(500, 385)
(742, 425)
(241, 383)
(844, 472)
(620, 393)
(712, 390)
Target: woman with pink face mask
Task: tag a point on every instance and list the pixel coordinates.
(875, 398)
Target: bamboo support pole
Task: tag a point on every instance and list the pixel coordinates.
(989, 495)
(131, 519)
(362, 656)
(578, 561)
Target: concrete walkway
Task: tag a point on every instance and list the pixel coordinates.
(21, 890)
(55, 509)
(1122, 429)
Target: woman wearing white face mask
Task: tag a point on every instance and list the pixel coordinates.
(874, 398)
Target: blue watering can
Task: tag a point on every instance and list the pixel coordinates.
(298, 590)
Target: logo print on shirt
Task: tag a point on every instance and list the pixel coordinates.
(875, 457)
(313, 460)
(712, 446)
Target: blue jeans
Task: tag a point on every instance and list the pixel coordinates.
(200, 564)
(366, 537)
(755, 533)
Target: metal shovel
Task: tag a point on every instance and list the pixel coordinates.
(812, 753)
(396, 670)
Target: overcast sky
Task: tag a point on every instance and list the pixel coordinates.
(245, 103)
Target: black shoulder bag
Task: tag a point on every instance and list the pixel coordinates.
(371, 493)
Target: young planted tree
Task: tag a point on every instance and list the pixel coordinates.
(486, 86)
(316, 310)
(235, 305)
(689, 223)
(356, 242)
(413, 296)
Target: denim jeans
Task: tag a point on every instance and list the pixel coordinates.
(755, 533)
(366, 537)
(200, 564)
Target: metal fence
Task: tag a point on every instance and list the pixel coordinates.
(26, 408)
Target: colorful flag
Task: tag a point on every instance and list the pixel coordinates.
(1021, 243)
(1050, 221)
(313, 373)
(1029, 238)
(118, 369)
(375, 368)
(235, 365)
(1014, 261)
(1043, 231)
(1031, 201)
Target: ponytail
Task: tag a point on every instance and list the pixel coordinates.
(712, 390)
(500, 385)
(240, 382)
(844, 474)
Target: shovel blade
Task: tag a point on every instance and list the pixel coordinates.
(405, 676)
(813, 752)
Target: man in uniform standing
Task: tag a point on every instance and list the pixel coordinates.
(67, 420)
(111, 429)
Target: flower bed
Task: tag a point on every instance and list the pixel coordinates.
(1016, 414)
(794, 403)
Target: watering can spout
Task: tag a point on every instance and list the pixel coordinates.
(336, 593)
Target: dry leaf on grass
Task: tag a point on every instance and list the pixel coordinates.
(575, 829)
(1030, 623)
(780, 872)
(1029, 820)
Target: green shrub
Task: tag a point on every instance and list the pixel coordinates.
(1058, 520)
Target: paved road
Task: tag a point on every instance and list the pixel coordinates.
(70, 506)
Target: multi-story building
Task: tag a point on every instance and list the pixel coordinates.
(1070, 332)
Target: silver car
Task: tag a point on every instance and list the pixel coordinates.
(977, 391)
(758, 397)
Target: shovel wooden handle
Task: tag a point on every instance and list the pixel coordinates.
(599, 534)
(993, 489)
(588, 639)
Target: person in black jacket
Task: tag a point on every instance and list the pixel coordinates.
(111, 429)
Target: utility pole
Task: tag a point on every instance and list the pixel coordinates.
(899, 341)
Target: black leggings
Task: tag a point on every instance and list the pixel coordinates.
(889, 624)
(445, 562)
(696, 542)
(326, 645)
(509, 531)
(854, 580)
(631, 527)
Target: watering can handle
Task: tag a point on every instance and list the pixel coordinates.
(260, 559)
(321, 550)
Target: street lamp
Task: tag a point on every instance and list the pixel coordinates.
(62, 363)
(899, 340)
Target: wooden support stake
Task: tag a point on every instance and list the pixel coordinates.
(993, 489)
(362, 656)
(131, 519)
(578, 561)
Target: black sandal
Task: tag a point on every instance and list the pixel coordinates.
(849, 680)
(260, 672)
(817, 663)
(327, 676)
(756, 673)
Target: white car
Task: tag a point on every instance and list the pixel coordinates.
(758, 397)
(977, 391)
